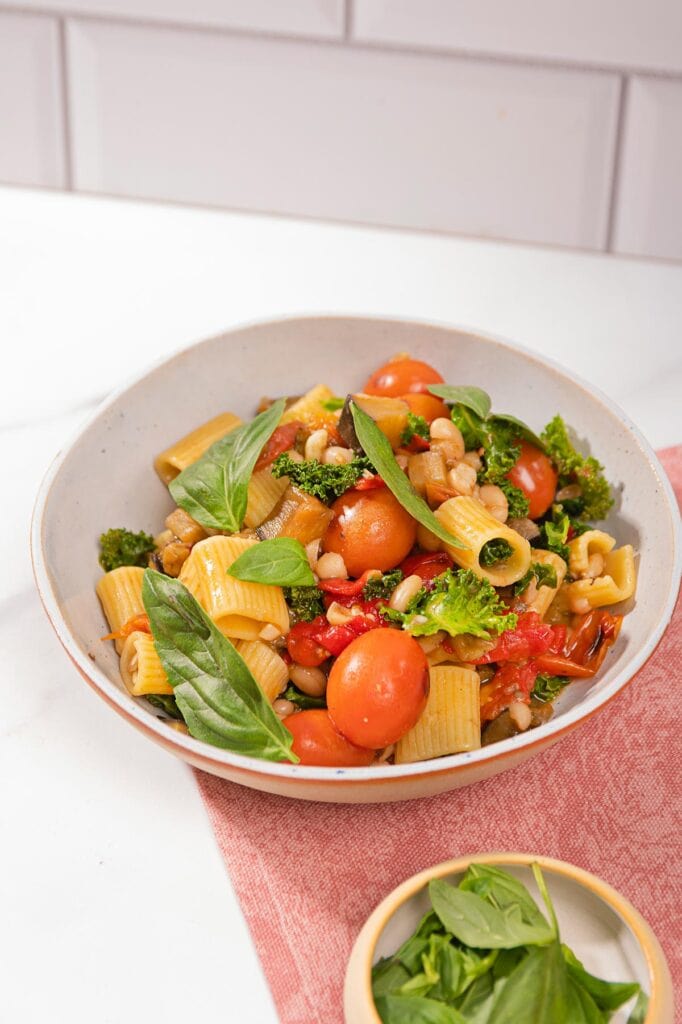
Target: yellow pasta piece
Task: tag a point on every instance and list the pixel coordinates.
(309, 409)
(469, 521)
(240, 610)
(141, 667)
(120, 592)
(451, 720)
(264, 492)
(617, 584)
(545, 595)
(191, 447)
(592, 542)
(265, 665)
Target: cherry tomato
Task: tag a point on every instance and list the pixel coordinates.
(428, 406)
(377, 687)
(317, 742)
(370, 530)
(303, 645)
(536, 477)
(428, 566)
(400, 377)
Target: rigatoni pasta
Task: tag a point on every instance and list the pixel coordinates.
(141, 668)
(470, 522)
(451, 720)
(188, 449)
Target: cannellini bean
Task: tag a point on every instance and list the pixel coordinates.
(331, 566)
(402, 460)
(283, 708)
(269, 632)
(472, 459)
(443, 429)
(311, 681)
(316, 444)
(462, 478)
(404, 592)
(520, 715)
(338, 614)
(294, 455)
(337, 456)
(312, 551)
(579, 605)
(595, 566)
(450, 450)
(495, 500)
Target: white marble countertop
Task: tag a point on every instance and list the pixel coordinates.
(114, 903)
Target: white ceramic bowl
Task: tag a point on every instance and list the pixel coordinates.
(105, 478)
(602, 928)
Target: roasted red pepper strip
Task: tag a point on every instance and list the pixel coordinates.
(368, 483)
(346, 588)
(310, 643)
(427, 566)
(281, 440)
(531, 637)
(138, 624)
(558, 665)
(510, 683)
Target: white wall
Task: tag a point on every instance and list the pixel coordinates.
(537, 121)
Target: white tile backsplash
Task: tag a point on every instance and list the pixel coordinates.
(418, 141)
(649, 202)
(631, 33)
(31, 143)
(322, 18)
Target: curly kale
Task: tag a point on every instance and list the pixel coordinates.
(302, 700)
(381, 586)
(499, 440)
(554, 533)
(494, 551)
(325, 482)
(459, 602)
(595, 498)
(122, 547)
(547, 688)
(305, 603)
(165, 702)
(543, 574)
(416, 425)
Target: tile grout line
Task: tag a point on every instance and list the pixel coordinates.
(354, 43)
(66, 106)
(617, 162)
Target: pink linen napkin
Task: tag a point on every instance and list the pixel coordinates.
(607, 798)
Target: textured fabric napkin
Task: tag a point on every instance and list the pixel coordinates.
(607, 798)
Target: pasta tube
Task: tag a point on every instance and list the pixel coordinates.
(120, 593)
(141, 668)
(266, 666)
(545, 594)
(451, 720)
(592, 542)
(470, 522)
(240, 610)
(617, 584)
(191, 447)
(264, 492)
(309, 409)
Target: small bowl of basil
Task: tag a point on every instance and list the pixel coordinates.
(507, 939)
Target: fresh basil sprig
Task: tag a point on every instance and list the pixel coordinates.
(214, 489)
(218, 697)
(377, 448)
(280, 562)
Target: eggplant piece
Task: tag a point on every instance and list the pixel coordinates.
(298, 515)
(502, 727)
(389, 414)
(346, 426)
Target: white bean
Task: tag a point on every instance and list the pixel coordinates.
(316, 444)
(338, 614)
(337, 456)
(404, 592)
(283, 708)
(311, 681)
(269, 632)
(312, 551)
(444, 430)
(462, 479)
(520, 715)
(331, 567)
(495, 500)
(595, 566)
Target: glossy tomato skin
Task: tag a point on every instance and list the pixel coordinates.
(535, 475)
(401, 377)
(317, 742)
(378, 687)
(370, 530)
(428, 406)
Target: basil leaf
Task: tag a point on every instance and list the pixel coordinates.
(387, 976)
(519, 428)
(416, 1010)
(473, 398)
(537, 990)
(502, 890)
(476, 923)
(580, 1006)
(333, 404)
(608, 995)
(213, 490)
(377, 448)
(164, 702)
(280, 562)
(218, 697)
(640, 1009)
(302, 700)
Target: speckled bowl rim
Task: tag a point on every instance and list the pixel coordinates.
(214, 759)
(660, 983)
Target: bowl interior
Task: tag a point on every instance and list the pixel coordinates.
(594, 930)
(106, 478)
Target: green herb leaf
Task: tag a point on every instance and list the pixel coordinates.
(416, 426)
(586, 471)
(381, 586)
(302, 700)
(214, 488)
(517, 502)
(164, 702)
(416, 1010)
(640, 1009)
(325, 482)
(377, 448)
(333, 404)
(388, 976)
(305, 603)
(123, 547)
(547, 688)
(536, 990)
(458, 602)
(608, 995)
(218, 697)
(502, 890)
(494, 551)
(472, 398)
(517, 428)
(543, 573)
(280, 562)
(477, 923)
